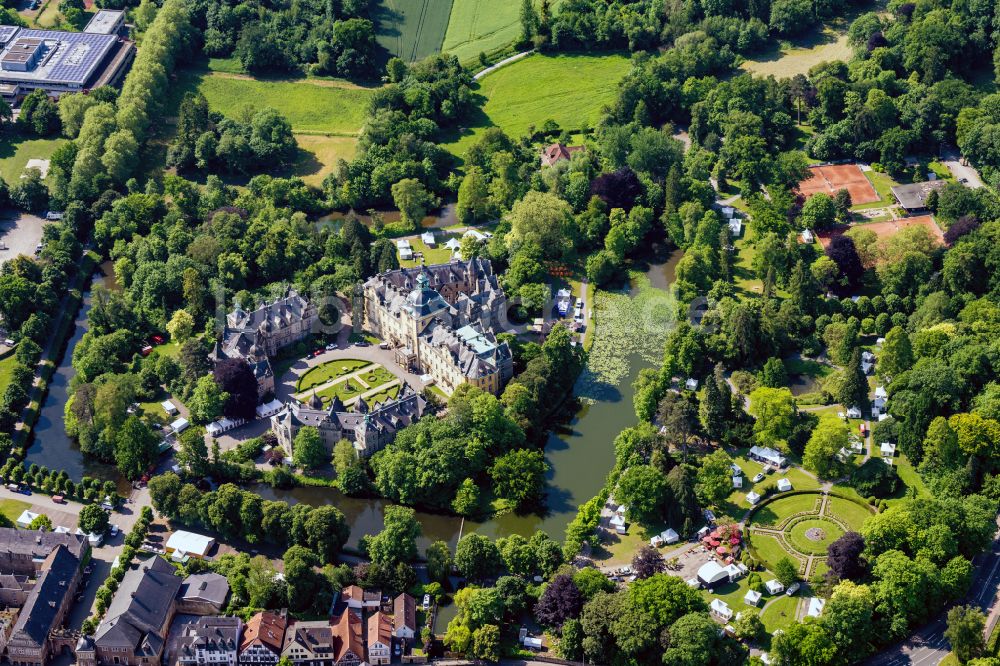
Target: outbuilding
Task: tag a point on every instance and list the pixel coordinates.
(670, 536)
(189, 544)
(721, 609)
(774, 586)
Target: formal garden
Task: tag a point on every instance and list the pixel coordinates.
(348, 379)
(801, 526)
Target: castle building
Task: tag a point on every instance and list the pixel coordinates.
(259, 335)
(442, 320)
(369, 428)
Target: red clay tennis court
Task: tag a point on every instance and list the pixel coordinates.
(830, 179)
(885, 229)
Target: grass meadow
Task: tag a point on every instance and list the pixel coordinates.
(414, 29)
(478, 26)
(15, 151)
(569, 89)
(311, 106)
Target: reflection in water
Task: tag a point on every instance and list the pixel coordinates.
(579, 454)
(50, 445)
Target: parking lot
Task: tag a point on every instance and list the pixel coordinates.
(20, 233)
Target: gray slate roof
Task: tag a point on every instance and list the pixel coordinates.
(39, 613)
(140, 607)
(210, 587)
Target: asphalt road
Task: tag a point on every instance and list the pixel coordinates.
(928, 645)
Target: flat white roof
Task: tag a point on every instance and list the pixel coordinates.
(712, 572)
(168, 407)
(189, 542)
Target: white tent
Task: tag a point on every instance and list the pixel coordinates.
(807, 236)
(428, 238)
(816, 605)
(180, 425)
(784, 485)
(195, 545)
(711, 573)
(752, 498)
(854, 413)
(774, 586)
(169, 407)
(618, 522)
(722, 609)
(453, 244)
(887, 449)
(767, 455)
(656, 541)
(737, 482)
(693, 583)
(691, 384)
(670, 536)
(25, 519)
(269, 409)
(752, 598)
(735, 227)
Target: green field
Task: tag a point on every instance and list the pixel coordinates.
(481, 26)
(850, 513)
(15, 151)
(777, 511)
(779, 613)
(770, 550)
(569, 89)
(412, 29)
(7, 364)
(316, 106)
(12, 509)
(793, 59)
(829, 532)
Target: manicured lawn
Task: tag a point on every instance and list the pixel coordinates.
(438, 254)
(731, 593)
(154, 411)
(414, 29)
(15, 151)
(6, 368)
(849, 512)
(910, 476)
(343, 390)
(825, 532)
(780, 613)
(438, 391)
(377, 376)
(12, 508)
(481, 26)
(326, 371)
(779, 510)
(171, 349)
(311, 106)
(569, 89)
(382, 396)
(770, 550)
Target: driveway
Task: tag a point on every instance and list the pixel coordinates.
(960, 168)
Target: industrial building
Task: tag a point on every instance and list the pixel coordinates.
(63, 62)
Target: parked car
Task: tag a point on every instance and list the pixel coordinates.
(317, 352)
(963, 180)
(115, 530)
(384, 345)
(53, 215)
(427, 601)
(758, 477)
(331, 346)
(58, 499)
(157, 339)
(792, 589)
(363, 343)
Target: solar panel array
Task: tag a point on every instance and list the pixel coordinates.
(73, 59)
(7, 33)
